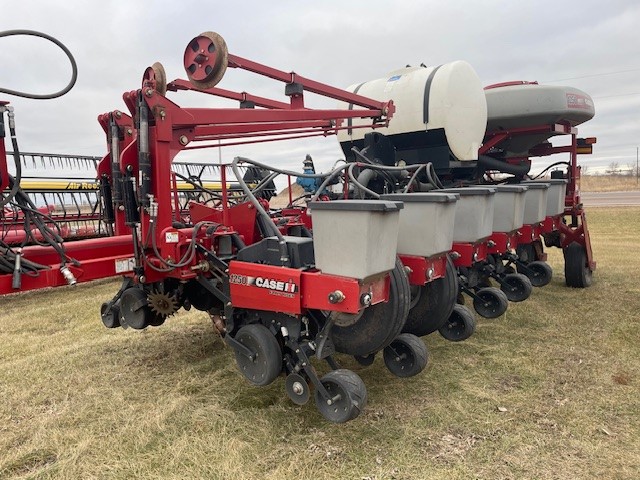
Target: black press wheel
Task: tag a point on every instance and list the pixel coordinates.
(539, 273)
(490, 302)
(432, 303)
(577, 273)
(460, 325)
(266, 364)
(348, 396)
(406, 356)
(516, 286)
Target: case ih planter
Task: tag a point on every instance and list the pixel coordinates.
(373, 255)
(279, 300)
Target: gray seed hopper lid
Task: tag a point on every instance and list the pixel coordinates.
(357, 205)
(422, 197)
(471, 190)
(512, 188)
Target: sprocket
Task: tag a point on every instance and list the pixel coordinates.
(162, 303)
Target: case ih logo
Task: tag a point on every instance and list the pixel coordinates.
(578, 101)
(268, 283)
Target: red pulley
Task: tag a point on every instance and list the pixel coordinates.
(154, 77)
(206, 60)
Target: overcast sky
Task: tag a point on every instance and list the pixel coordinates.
(590, 45)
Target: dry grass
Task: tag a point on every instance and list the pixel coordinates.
(80, 401)
(608, 183)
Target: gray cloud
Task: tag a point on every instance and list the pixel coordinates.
(339, 43)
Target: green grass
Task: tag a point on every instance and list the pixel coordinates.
(81, 401)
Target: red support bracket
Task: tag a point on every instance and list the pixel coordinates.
(422, 270)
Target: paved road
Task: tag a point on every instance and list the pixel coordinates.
(610, 199)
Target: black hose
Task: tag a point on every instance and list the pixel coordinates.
(494, 164)
(74, 67)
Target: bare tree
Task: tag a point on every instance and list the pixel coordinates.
(613, 169)
(584, 170)
(632, 170)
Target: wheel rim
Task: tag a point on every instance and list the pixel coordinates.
(266, 363)
(515, 288)
(488, 304)
(347, 396)
(461, 325)
(539, 274)
(402, 359)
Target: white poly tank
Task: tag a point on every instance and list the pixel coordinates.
(448, 97)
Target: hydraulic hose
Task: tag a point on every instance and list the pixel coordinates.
(501, 166)
(48, 96)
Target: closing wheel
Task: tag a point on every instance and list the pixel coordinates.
(576, 269)
(406, 356)
(460, 325)
(266, 362)
(379, 324)
(206, 59)
(516, 286)
(539, 273)
(490, 302)
(110, 314)
(347, 396)
(432, 303)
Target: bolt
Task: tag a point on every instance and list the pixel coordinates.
(297, 388)
(336, 297)
(129, 131)
(118, 114)
(365, 300)
(183, 140)
(329, 402)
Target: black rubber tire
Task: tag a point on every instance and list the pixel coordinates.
(517, 287)
(353, 394)
(539, 273)
(577, 273)
(267, 364)
(491, 302)
(366, 360)
(434, 304)
(406, 356)
(460, 325)
(380, 323)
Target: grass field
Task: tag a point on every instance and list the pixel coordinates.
(608, 183)
(551, 390)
